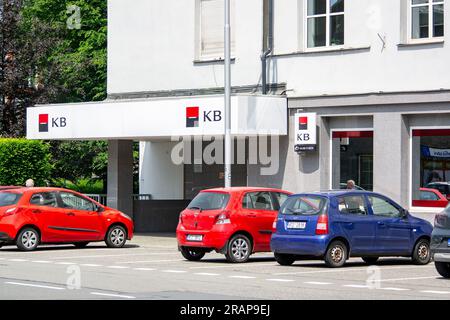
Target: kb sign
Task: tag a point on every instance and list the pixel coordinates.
(305, 132)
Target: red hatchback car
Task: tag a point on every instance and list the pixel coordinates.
(234, 221)
(31, 216)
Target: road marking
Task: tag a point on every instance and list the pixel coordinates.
(152, 261)
(112, 295)
(242, 277)
(318, 283)
(117, 267)
(91, 265)
(35, 285)
(66, 263)
(144, 269)
(234, 266)
(436, 292)
(174, 271)
(349, 269)
(102, 256)
(358, 286)
(41, 261)
(17, 260)
(405, 279)
(394, 289)
(280, 280)
(207, 274)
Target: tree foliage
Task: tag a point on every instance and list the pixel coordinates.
(22, 159)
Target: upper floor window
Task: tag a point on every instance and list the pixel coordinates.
(427, 19)
(325, 23)
(211, 28)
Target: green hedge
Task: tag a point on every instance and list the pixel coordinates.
(22, 159)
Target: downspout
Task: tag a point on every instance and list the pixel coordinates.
(267, 41)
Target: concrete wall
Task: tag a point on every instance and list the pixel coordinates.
(152, 46)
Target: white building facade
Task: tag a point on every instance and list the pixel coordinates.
(374, 73)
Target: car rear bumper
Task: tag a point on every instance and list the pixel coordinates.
(5, 238)
(7, 233)
(441, 257)
(299, 244)
(214, 239)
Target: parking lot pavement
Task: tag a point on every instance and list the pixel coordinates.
(150, 267)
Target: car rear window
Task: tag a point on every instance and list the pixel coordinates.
(9, 198)
(305, 205)
(209, 201)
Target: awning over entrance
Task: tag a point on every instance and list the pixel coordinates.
(158, 118)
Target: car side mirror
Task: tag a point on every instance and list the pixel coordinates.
(404, 214)
(100, 209)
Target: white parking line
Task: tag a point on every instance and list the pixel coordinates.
(91, 265)
(34, 285)
(280, 280)
(152, 261)
(66, 263)
(242, 277)
(18, 260)
(435, 292)
(112, 295)
(350, 269)
(318, 283)
(174, 271)
(41, 261)
(207, 274)
(357, 286)
(405, 279)
(144, 269)
(105, 256)
(117, 267)
(235, 266)
(394, 289)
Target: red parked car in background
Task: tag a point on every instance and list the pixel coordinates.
(32, 216)
(234, 221)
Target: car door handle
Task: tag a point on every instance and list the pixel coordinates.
(37, 211)
(251, 215)
(382, 224)
(71, 214)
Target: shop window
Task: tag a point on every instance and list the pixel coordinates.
(430, 168)
(211, 29)
(325, 23)
(352, 159)
(427, 19)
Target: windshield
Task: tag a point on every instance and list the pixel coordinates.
(305, 205)
(209, 201)
(9, 198)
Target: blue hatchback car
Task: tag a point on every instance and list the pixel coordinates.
(336, 225)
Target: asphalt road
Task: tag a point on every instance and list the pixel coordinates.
(150, 267)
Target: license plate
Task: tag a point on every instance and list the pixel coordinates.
(448, 242)
(296, 225)
(194, 237)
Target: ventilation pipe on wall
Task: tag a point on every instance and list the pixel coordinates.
(267, 41)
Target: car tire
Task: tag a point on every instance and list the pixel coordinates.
(443, 268)
(116, 237)
(284, 259)
(192, 254)
(28, 239)
(336, 255)
(81, 245)
(239, 249)
(370, 260)
(421, 254)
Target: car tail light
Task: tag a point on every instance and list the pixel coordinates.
(274, 225)
(322, 224)
(223, 218)
(11, 211)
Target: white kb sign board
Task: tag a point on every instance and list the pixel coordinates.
(305, 132)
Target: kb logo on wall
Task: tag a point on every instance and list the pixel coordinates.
(193, 116)
(305, 133)
(56, 122)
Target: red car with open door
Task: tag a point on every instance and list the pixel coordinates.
(32, 216)
(234, 221)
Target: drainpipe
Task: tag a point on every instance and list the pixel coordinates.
(267, 41)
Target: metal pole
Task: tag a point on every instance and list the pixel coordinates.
(227, 117)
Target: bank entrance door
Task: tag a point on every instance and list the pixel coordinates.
(352, 159)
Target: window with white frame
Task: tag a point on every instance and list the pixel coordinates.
(211, 26)
(324, 23)
(427, 19)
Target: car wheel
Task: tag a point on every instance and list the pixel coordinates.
(81, 244)
(336, 254)
(239, 249)
(28, 239)
(370, 260)
(421, 254)
(443, 268)
(116, 237)
(284, 259)
(192, 254)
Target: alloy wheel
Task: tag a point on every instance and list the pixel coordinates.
(240, 249)
(117, 236)
(29, 239)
